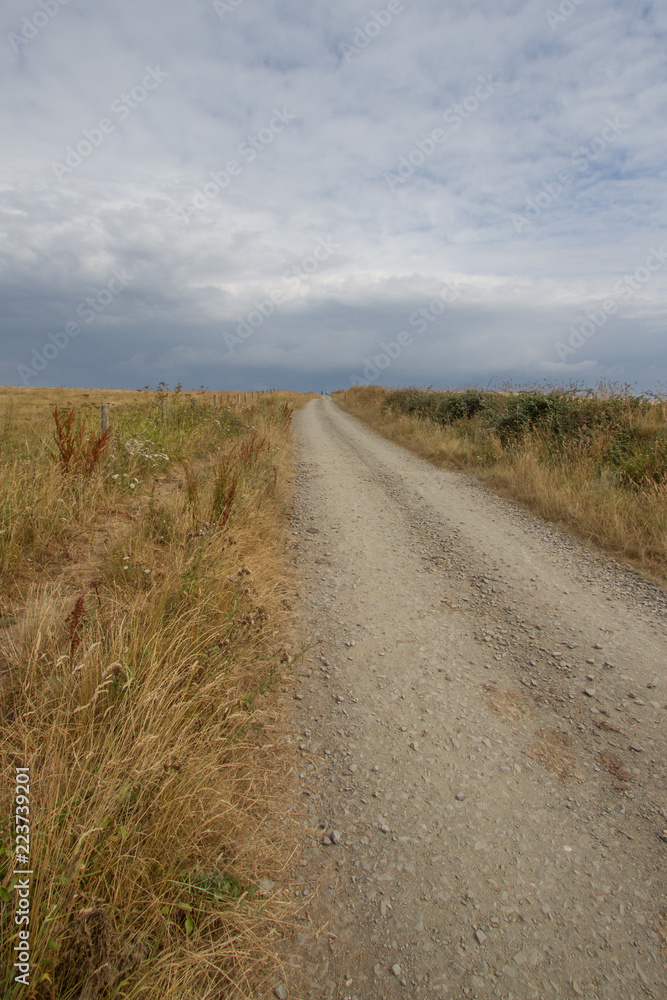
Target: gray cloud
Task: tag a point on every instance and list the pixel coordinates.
(201, 254)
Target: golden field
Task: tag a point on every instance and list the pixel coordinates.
(145, 605)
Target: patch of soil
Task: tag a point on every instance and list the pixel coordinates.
(509, 704)
(613, 763)
(551, 749)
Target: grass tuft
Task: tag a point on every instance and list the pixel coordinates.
(77, 452)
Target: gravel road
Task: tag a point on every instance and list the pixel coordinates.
(481, 719)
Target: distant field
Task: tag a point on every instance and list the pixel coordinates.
(144, 608)
(24, 408)
(596, 463)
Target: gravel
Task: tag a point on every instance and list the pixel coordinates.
(498, 835)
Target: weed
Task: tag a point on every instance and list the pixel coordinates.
(249, 451)
(75, 619)
(191, 489)
(160, 521)
(640, 455)
(225, 487)
(77, 453)
(286, 413)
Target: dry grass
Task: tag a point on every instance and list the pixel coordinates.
(660, 927)
(509, 704)
(144, 612)
(572, 482)
(552, 749)
(613, 763)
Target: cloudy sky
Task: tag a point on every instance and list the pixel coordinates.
(260, 193)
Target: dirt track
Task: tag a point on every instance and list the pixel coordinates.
(482, 719)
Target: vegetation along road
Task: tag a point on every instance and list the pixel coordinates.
(481, 724)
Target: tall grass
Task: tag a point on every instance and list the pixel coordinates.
(594, 462)
(145, 605)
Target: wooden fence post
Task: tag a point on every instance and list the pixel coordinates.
(163, 406)
(105, 416)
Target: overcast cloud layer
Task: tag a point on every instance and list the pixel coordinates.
(247, 194)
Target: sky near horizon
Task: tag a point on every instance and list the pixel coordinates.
(256, 194)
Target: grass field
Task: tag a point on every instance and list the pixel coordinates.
(145, 604)
(595, 463)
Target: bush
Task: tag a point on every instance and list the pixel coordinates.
(639, 457)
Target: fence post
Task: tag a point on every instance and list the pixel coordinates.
(163, 405)
(245, 397)
(105, 416)
(238, 397)
(215, 399)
